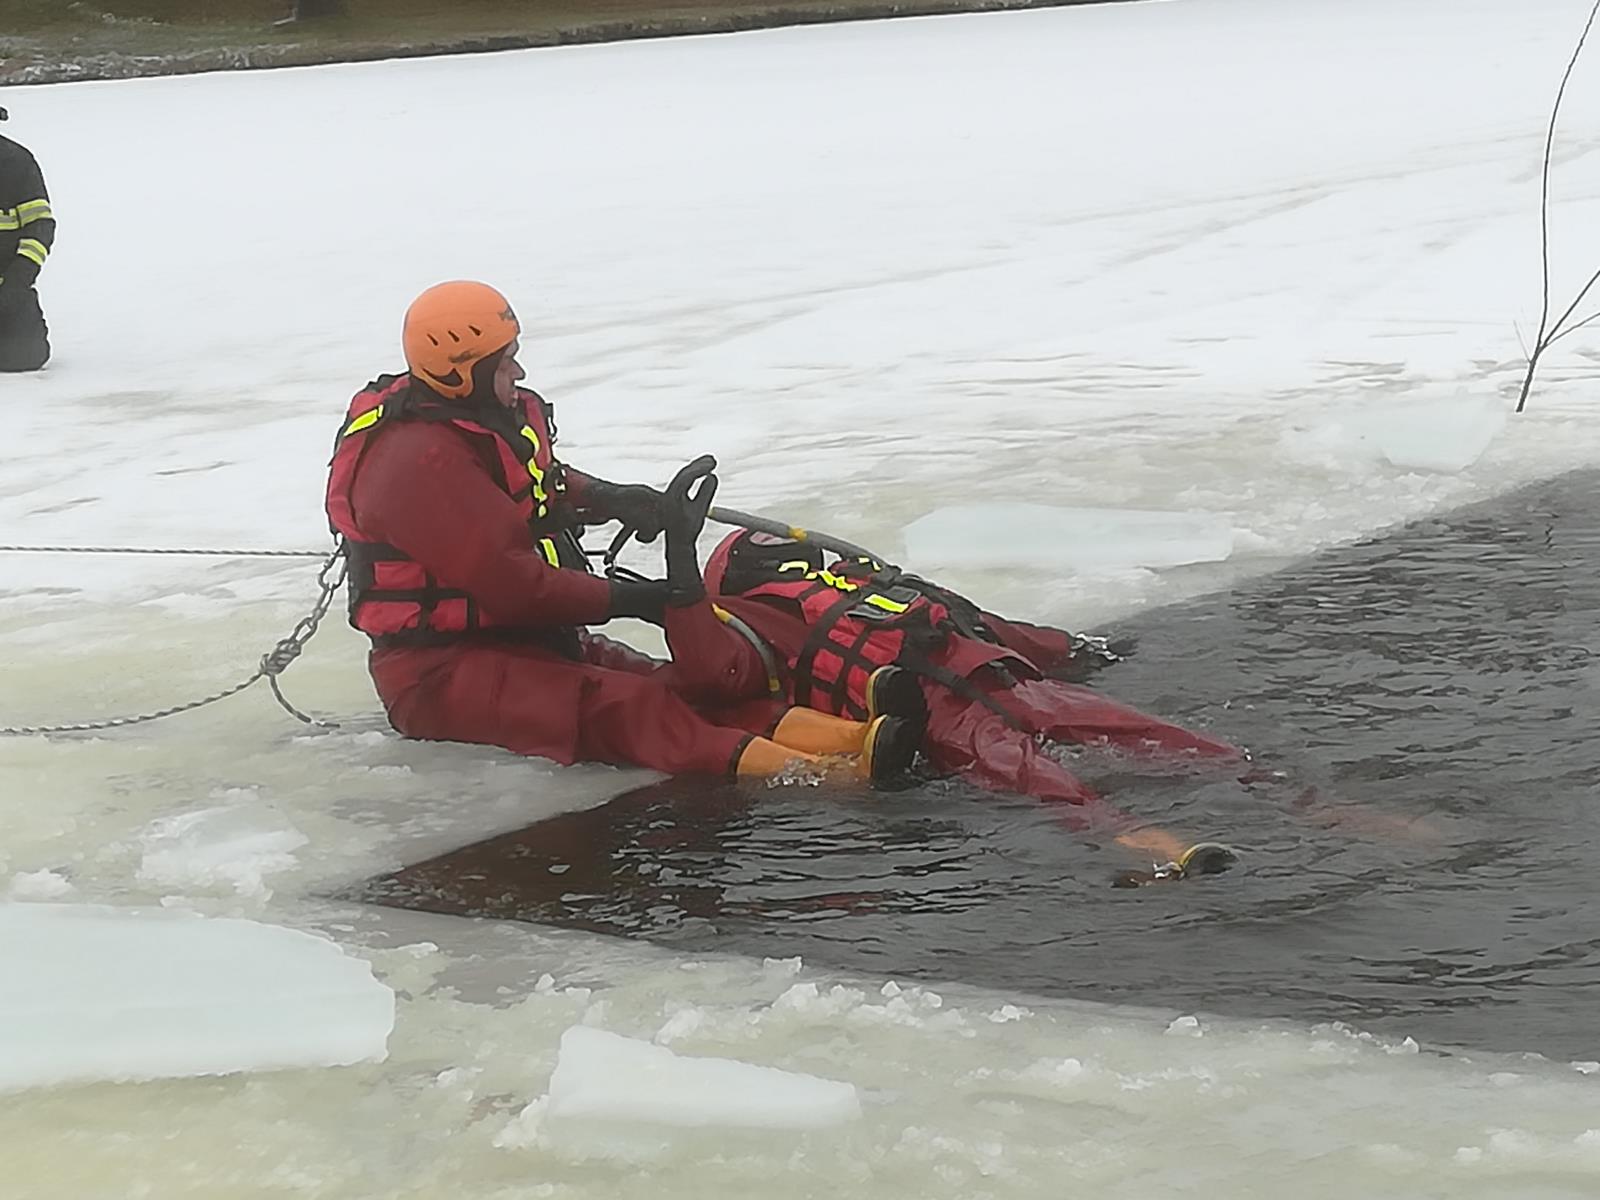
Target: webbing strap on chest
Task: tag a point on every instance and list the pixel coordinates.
(817, 638)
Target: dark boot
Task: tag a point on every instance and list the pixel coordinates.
(890, 748)
(895, 692)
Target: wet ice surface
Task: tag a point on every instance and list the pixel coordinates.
(1426, 703)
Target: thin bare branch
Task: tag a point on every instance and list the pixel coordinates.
(1555, 330)
(1556, 337)
(1542, 340)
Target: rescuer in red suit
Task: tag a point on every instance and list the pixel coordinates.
(467, 574)
(837, 634)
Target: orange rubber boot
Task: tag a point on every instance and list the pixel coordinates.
(763, 758)
(819, 733)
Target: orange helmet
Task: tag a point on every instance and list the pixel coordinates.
(452, 327)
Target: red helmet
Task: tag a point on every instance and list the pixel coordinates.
(745, 559)
(451, 328)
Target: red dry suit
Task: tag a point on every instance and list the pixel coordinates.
(466, 574)
(825, 629)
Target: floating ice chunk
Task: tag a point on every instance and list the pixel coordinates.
(234, 846)
(1008, 1012)
(96, 993)
(1437, 435)
(1055, 1070)
(1185, 1027)
(523, 1129)
(680, 1024)
(808, 998)
(39, 885)
(604, 1076)
(1040, 537)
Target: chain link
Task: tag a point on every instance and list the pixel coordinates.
(330, 578)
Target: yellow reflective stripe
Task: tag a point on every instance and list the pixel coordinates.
(365, 421)
(798, 564)
(833, 581)
(551, 554)
(888, 605)
(33, 248)
(34, 210)
(540, 496)
(9, 219)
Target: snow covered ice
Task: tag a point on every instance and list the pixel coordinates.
(1213, 258)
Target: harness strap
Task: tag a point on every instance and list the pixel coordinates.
(816, 639)
(769, 660)
(918, 663)
(840, 695)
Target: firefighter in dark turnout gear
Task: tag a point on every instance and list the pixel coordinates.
(27, 231)
(467, 574)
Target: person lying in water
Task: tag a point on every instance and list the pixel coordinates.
(467, 574)
(859, 640)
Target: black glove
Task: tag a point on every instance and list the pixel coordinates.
(642, 598)
(634, 504)
(684, 507)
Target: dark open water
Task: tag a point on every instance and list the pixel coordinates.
(1429, 863)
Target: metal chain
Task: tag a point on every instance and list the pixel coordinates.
(330, 578)
(159, 550)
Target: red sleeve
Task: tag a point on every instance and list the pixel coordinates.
(1046, 648)
(577, 484)
(421, 489)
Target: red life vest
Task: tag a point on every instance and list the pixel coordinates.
(392, 596)
(857, 624)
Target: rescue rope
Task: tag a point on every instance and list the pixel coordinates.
(330, 578)
(159, 550)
